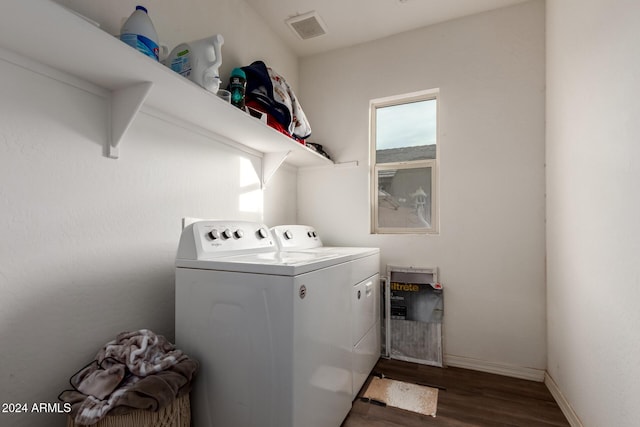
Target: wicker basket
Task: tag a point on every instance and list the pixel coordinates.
(178, 414)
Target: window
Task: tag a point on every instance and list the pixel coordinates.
(404, 163)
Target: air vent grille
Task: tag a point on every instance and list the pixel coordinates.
(307, 26)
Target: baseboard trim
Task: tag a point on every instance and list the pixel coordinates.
(564, 405)
(539, 375)
(531, 374)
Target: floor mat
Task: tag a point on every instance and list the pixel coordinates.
(407, 396)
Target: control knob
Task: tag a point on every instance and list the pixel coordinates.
(238, 233)
(226, 234)
(288, 235)
(214, 234)
(262, 233)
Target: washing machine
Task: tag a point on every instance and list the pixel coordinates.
(269, 328)
(365, 293)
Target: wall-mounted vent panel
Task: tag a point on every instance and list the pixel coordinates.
(307, 26)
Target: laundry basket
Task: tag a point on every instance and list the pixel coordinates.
(177, 414)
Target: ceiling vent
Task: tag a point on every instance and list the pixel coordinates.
(307, 25)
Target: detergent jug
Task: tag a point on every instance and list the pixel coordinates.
(198, 61)
(139, 33)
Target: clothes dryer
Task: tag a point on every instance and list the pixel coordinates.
(365, 299)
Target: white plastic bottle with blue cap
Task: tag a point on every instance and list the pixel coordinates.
(138, 32)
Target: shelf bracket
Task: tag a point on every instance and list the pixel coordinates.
(125, 104)
(270, 164)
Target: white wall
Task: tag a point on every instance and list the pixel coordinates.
(593, 243)
(490, 250)
(88, 242)
(281, 197)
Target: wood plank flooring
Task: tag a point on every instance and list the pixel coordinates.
(466, 398)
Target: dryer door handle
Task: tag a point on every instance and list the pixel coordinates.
(368, 288)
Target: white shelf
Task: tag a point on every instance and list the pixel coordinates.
(51, 35)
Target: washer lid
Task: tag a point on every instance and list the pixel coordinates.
(273, 263)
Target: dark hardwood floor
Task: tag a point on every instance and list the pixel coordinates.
(466, 398)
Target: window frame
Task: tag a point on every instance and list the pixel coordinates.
(374, 104)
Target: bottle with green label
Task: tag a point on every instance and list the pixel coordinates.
(237, 87)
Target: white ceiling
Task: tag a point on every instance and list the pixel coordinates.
(350, 22)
